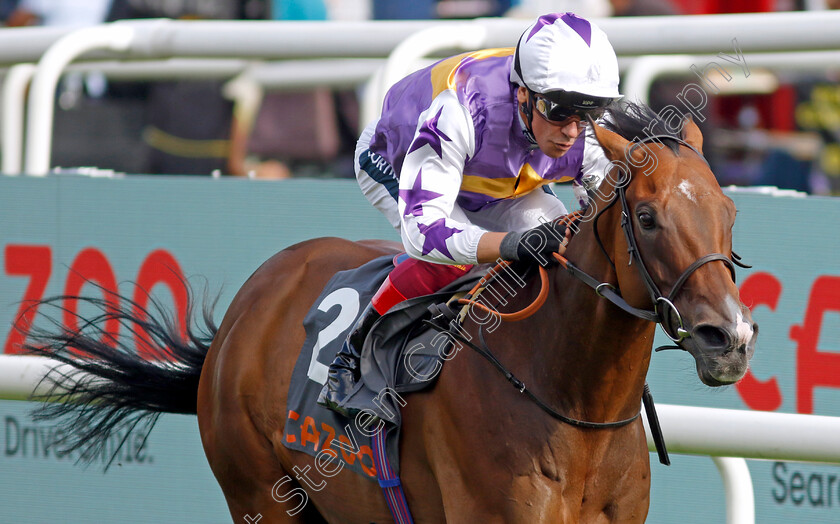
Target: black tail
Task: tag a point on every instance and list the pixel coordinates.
(112, 390)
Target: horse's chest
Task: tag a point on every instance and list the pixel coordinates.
(592, 483)
(576, 499)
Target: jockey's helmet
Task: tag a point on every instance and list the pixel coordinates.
(568, 65)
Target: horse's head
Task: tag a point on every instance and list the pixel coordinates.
(681, 224)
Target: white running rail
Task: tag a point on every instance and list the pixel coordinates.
(727, 435)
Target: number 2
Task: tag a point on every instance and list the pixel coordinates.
(348, 299)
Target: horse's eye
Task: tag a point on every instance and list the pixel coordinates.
(646, 220)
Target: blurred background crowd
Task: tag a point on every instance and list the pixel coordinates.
(783, 131)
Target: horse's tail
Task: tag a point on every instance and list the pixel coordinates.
(110, 386)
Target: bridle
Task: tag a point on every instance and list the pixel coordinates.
(663, 304)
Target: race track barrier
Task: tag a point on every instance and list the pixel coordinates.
(731, 435)
(727, 435)
(153, 39)
(273, 76)
(644, 70)
(631, 36)
(21, 376)
(776, 32)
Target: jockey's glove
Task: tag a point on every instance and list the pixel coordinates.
(535, 245)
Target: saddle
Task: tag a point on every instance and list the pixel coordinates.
(403, 354)
(400, 355)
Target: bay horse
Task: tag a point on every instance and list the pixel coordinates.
(472, 449)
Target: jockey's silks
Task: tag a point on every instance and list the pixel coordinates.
(503, 163)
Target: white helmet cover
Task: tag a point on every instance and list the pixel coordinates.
(562, 51)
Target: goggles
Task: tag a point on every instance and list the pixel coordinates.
(559, 106)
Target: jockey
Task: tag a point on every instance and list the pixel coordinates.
(461, 157)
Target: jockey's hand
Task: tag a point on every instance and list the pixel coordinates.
(537, 244)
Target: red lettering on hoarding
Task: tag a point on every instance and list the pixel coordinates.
(91, 266)
(760, 289)
(815, 368)
(160, 267)
(36, 263)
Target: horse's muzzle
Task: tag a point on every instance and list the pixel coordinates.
(722, 352)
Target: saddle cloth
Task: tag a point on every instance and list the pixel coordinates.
(399, 356)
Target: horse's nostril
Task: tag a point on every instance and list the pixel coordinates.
(712, 336)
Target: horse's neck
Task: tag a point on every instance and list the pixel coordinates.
(588, 357)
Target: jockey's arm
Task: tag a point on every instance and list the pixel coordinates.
(433, 227)
(488, 247)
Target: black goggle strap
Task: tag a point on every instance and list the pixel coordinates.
(527, 107)
(528, 111)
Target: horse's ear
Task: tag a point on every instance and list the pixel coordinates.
(692, 135)
(614, 145)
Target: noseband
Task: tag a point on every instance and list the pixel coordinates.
(662, 304)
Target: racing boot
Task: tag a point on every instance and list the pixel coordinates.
(344, 371)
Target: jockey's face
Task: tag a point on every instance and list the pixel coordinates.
(553, 138)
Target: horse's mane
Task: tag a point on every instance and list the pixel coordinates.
(635, 122)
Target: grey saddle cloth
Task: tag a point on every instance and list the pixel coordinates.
(402, 355)
(399, 333)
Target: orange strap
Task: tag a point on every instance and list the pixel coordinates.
(519, 315)
(539, 301)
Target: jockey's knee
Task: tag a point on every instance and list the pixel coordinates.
(413, 278)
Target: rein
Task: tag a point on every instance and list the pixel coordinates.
(605, 290)
(538, 302)
(526, 312)
(484, 351)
